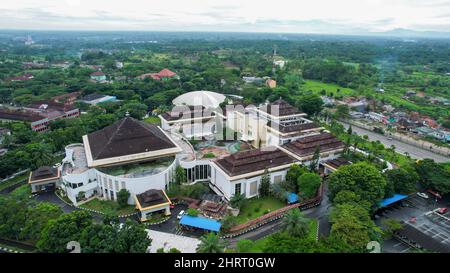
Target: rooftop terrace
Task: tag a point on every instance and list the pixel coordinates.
(141, 169)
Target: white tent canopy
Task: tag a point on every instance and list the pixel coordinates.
(207, 99)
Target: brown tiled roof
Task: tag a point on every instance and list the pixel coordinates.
(19, 115)
(182, 112)
(254, 160)
(125, 137)
(166, 73)
(97, 73)
(151, 198)
(44, 172)
(290, 128)
(307, 145)
(337, 162)
(280, 108)
(52, 105)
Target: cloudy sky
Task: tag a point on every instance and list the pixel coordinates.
(298, 16)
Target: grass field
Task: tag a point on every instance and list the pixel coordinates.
(317, 87)
(153, 120)
(256, 207)
(107, 206)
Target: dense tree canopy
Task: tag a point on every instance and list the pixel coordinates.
(362, 178)
(433, 175)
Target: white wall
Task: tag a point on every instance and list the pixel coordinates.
(228, 187)
(136, 185)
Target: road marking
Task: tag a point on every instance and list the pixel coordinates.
(403, 251)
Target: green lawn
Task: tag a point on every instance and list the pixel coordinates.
(153, 120)
(317, 87)
(313, 229)
(13, 181)
(256, 207)
(108, 206)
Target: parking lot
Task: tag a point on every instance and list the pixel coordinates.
(395, 246)
(421, 214)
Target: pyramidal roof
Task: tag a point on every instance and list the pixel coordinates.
(280, 108)
(126, 137)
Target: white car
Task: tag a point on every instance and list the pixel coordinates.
(180, 214)
(423, 195)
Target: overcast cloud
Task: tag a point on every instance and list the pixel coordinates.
(312, 16)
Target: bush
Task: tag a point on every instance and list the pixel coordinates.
(308, 184)
(122, 197)
(238, 201)
(229, 222)
(192, 212)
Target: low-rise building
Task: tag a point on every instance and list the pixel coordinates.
(164, 74)
(250, 79)
(24, 77)
(271, 83)
(378, 117)
(40, 114)
(94, 99)
(241, 173)
(98, 76)
(152, 201)
(44, 178)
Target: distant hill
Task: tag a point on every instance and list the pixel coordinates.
(407, 33)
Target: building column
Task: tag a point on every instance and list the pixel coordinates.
(167, 210)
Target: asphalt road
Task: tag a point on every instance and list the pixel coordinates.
(400, 147)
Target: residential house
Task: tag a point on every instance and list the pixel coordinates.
(247, 79)
(164, 74)
(271, 83)
(98, 76)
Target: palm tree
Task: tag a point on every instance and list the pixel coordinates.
(210, 243)
(296, 224)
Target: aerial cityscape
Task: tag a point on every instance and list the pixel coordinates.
(131, 137)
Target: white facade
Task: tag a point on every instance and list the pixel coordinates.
(247, 184)
(92, 181)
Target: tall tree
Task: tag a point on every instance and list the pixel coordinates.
(57, 233)
(362, 178)
(264, 187)
(122, 197)
(433, 175)
(308, 184)
(210, 243)
(311, 104)
(296, 224)
(314, 164)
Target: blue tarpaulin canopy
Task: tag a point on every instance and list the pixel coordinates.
(200, 222)
(392, 200)
(292, 198)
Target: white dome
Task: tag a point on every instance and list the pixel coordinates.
(207, 99)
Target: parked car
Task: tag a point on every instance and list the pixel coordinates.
(423, 195)
(442, 210)
(172, 206)
(180, 214)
